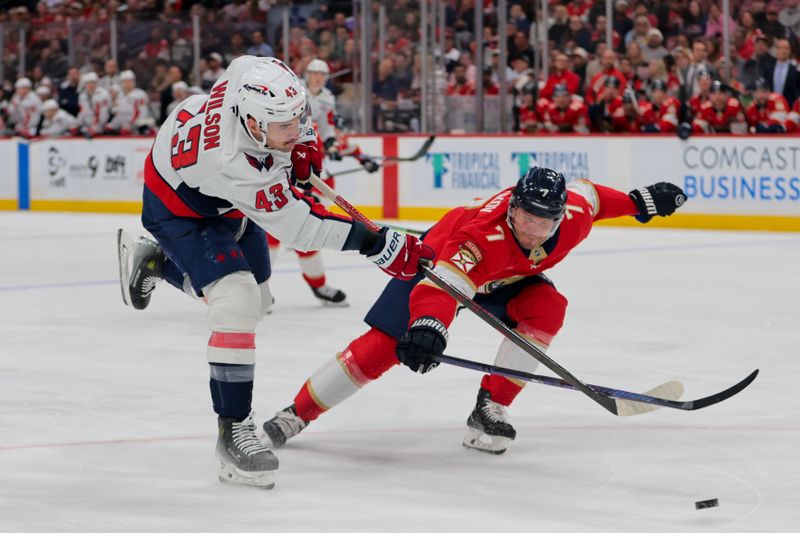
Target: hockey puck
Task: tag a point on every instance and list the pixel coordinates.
(705, 504)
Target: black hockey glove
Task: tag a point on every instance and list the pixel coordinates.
(369, 164)
(660, 199)
(426, 338)
(331, 150)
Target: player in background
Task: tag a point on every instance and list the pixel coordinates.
(567, 112)
(307, 158)
(56, 122)
(25, 109)
(665, 109)
(95, 104)
(722, 113)
(131, 108)
(634, 115)
(769, 111)
(216, 178)
(607, 103)
(702, 95)
(494, 251)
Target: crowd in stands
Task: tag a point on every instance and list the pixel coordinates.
(665, 70)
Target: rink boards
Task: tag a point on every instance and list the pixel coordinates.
(734, 182)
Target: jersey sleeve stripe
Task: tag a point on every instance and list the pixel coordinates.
(455, 277)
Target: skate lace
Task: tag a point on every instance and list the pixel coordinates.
(149, 284)
(244, 437)
(290, 423)
(494, 411)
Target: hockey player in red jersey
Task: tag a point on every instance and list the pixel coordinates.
(703, 95)
(608, 102)
(721, 114)
(665, 109)
(494, 251)
(633, 116)
(216, 178)
(567, 112)
(768, 112)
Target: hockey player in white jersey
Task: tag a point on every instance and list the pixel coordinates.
(56, 122)
(323, 105)
(131, 108)
(218, 173)
(25, 108)
(95, 105)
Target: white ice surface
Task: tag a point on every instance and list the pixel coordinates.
(106, 423)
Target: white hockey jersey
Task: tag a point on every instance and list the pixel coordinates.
(204, 164)
(95, 109)
(58, 126)
(25, 113)
(323, 107)
(131, 111)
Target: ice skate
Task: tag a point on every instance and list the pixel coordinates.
(285, 425)
(244, 460)
(140, 263)
(488, 428)
(331, 296)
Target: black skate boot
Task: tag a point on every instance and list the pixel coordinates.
(330, 296)
(285, 425)
(140, 263)
(488, 429)
(244, 460)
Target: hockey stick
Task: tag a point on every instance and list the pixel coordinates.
(417, 155)
(610, 404)
(664, 395)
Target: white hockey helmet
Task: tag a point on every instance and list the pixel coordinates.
(49, 105)
(318, 65)
(270, 92)
(23, 83)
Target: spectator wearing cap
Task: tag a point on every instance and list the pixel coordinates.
(654, 48)
(566, 113)
(213, 70)
(772, 26)
(608, 101)
(665, 109)
(460, 86)
(768, 112)
(703, 95)
(579, 59)
(561, 75)
(720, 114)
(25, 108)
(633, 116)
(68, 92)
(783, 77)
(608, 62)
(95, 103)
(56, 122)
(789, 16)
(259, 47)
(760, 65)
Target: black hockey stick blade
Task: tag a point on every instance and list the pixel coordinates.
(419, 153)
(665, 395)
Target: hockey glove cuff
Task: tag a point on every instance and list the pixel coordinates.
(398, 254)
(425, 339)
(660, 199)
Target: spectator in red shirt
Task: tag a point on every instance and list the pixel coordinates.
(703, 95)
(561, 75)
(460, 85)
(490, 87)
(597, 83)
(529, 119)
(607, 102)
(567, 113)
(633, 116)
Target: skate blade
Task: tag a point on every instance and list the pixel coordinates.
(328, 303)
(478, 440)
(234, 476)
(125, 246)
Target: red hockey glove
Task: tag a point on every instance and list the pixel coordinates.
(398, 254)
(306, 158)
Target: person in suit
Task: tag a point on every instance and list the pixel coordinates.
(783, 77)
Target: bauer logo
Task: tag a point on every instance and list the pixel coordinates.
(573, 165)
(465, 170)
